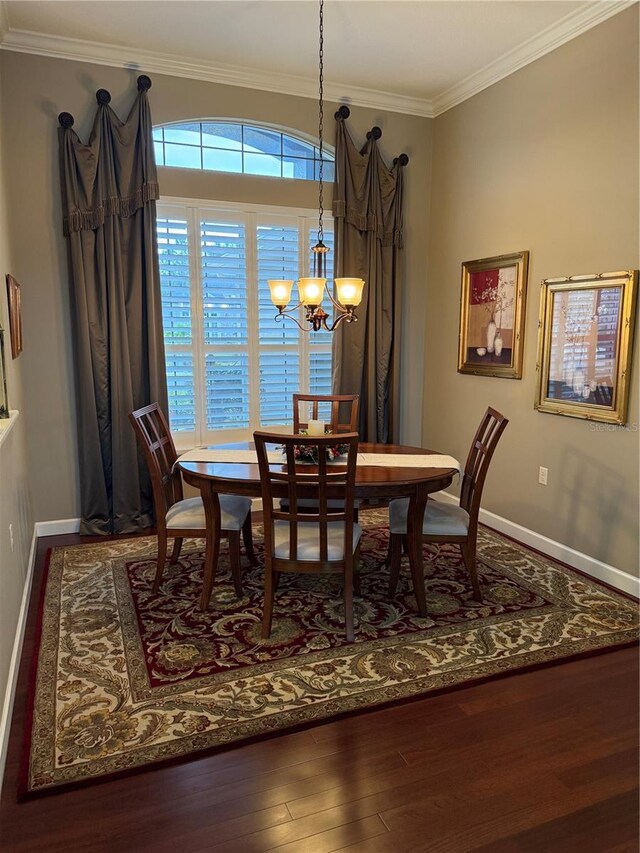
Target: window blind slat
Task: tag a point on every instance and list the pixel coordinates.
(224, 282)
(227, 390)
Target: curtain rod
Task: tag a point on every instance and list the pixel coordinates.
(103, 97)
(375, 133)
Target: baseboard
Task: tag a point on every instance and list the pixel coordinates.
(16, 654)
(578, 560)
(58, 528)
(589, 565)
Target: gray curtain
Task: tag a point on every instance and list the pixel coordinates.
(109, 187)
(367, 209)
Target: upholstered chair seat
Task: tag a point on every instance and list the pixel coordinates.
(309, 540)
(440, 519)
(190, 513)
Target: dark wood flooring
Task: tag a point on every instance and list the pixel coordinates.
(542, 762)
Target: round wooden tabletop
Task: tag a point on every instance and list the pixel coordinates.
(371, 480)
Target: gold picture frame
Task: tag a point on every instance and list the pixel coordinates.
(585, 340)
(492, 310)
(15, 315)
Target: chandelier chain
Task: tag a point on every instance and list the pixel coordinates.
(320, 122)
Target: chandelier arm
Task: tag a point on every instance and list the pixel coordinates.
(348, 316)
(285, 315)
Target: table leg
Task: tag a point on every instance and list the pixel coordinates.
(415, 516)
(212, 538)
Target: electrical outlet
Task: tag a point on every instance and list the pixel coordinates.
(11, 537)
(543, 474)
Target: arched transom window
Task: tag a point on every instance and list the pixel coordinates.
(250, 149)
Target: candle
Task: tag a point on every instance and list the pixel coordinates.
(316, 428)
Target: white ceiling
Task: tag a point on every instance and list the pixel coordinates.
(419, 56)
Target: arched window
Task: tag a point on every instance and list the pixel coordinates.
(231, 367)
(250, 149)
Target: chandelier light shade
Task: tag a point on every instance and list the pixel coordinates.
(312, 290)
(349, 291)
(280, 290)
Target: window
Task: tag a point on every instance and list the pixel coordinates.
(231, 367)
(224, 146)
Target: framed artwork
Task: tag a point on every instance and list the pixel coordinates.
(15, 316)
(4, 402)
(585, 340)
(494, 292)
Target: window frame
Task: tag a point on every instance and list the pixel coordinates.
(251, 215)
(290, 133)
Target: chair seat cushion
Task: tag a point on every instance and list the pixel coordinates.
(189, 513)
(309, 540)
(440, 519)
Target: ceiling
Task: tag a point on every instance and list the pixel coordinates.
(415, 56)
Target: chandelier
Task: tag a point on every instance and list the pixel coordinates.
(311, 291)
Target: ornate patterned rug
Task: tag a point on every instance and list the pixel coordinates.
(126, 678)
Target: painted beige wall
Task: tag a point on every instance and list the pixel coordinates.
(35, 89)
(545, 160)
(15, 503)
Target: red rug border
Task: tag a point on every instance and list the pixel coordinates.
(24, 795)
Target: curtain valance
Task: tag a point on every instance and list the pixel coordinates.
(367, 194)
(115, 172)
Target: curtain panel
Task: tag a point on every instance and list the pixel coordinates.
(367, 210)
(109, 188)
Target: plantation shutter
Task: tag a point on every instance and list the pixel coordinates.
(231, 367)
(279, 356)
(175, 282)
(223, 259)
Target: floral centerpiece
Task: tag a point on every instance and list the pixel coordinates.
(308, 453)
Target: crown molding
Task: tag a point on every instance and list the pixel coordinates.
(565, 30)
(63, 47)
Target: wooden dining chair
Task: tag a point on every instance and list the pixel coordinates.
(337, 403)
(328, 539)
(449, 522)
(184, 518)
(349, 404)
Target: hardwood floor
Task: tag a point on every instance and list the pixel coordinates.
(543, 762)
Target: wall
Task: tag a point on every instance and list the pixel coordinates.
(15, 504)
(35, 89)
(545, 160)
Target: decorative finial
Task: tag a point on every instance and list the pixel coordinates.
(144, 83)
(402, 160)
(103, 97)
(374, 133)
(343, 113)
(66, 120)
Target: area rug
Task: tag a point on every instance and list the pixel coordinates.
(126, 679)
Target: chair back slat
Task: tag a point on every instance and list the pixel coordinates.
(320, 483)
(347, 404)
(483, 446)
(154, 437)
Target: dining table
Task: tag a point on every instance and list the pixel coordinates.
(215, 471)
